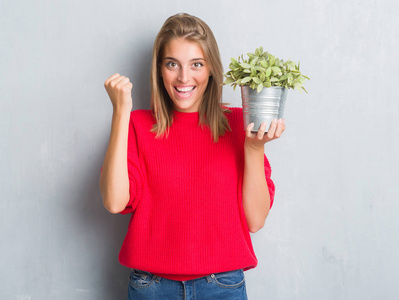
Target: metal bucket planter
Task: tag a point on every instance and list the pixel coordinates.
(264, 106)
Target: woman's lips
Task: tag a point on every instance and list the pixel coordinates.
(184, 91)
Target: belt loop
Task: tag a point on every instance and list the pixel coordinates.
(157, 279)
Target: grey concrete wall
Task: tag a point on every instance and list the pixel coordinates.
(332, 233)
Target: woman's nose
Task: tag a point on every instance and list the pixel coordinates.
(183, 75)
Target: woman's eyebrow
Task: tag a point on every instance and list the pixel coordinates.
(172, 58)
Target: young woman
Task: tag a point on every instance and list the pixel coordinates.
(195, 182)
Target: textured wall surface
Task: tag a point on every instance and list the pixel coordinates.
(332, 233)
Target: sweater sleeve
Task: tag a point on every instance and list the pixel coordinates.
(270, 183)
(134, 170)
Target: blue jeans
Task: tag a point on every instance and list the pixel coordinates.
(227, 285)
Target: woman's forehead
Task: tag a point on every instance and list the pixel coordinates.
(180, 48)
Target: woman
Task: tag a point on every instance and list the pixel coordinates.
(195, 182)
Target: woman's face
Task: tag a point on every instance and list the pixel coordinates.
(185, 74)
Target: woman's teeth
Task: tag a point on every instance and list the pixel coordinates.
(184, 89)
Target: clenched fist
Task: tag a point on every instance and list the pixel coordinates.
(119, 89)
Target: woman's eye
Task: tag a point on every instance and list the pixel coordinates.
(171, 64)
(197, 65)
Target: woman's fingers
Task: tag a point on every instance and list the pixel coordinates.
(276, 129)
(119, 89)
(248, 133)
(114, 83)
(280, 128)
(261, 131)
(272, 129)
(120, 84)
(112, 77)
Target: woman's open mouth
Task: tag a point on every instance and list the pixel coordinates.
(184, 91)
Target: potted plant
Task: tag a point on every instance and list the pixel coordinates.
(264, 80)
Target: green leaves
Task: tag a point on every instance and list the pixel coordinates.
(262, 69)
(230, 80)
(259, 88)
(276, 70)
(264, 64)
(246, 79)
(272, 60)
(268, 71)
(245, 65)
(257, 80)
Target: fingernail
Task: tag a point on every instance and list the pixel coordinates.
(274, 120)
(263, 124)
(280, 120)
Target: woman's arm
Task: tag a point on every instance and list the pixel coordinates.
(114, 179)
(255, 193)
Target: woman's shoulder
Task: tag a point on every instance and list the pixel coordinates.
(142, 121)
(234, 115)
(141, 115)
(231, 108)
(232, 111)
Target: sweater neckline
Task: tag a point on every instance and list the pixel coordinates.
(186, 116)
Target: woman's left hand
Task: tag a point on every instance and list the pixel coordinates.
(259, 139)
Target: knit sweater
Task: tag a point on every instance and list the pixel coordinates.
(187, 216)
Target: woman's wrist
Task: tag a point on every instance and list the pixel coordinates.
(250, 148)
(121, 112)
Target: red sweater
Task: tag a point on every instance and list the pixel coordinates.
(186, 199)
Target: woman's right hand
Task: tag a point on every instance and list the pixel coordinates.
(119, 89)
(114, 179)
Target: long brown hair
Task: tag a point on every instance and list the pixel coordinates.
(211, 111)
